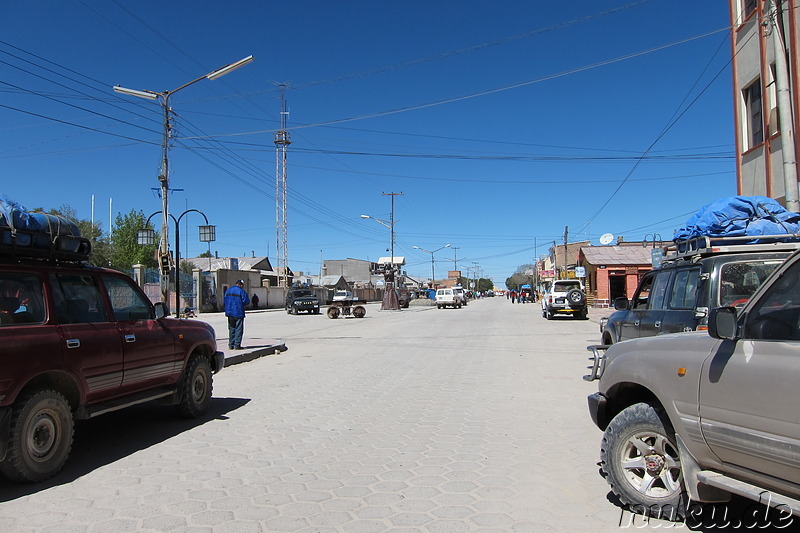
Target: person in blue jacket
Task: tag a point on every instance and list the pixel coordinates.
(235, 300)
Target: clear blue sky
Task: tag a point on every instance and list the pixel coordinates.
(501, 123)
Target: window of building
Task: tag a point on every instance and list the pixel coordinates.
(748, 6)
(753, 114)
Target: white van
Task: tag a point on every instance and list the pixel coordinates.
(447, 298)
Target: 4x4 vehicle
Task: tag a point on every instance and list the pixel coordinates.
(447, 298)
(565, 296)
(701, 414)
(461, 294)
(697, 275)
(301, 299)
(342, 296)
(79, 341)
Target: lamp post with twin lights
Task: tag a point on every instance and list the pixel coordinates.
(163, 178)
(146, 237)
(433, 270)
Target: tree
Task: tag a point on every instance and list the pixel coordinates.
(101, 249)
(126, 252)
(519, 277)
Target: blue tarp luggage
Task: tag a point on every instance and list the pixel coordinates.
(737, 216)
(39, 234)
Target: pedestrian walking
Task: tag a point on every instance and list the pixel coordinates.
(254, 299)
(513, 297)
(235, 300)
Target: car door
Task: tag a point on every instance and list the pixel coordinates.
(629, 325)
(679, 314)
(651, 318)
(748, 388)
(90, 342)
(150, 354)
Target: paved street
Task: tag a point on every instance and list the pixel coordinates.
(469, 419)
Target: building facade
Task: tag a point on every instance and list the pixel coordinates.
(764, 43)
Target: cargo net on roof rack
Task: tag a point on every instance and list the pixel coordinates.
(39, 235)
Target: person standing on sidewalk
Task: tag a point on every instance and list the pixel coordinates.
(235, 300)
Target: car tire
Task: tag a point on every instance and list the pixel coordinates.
(40, 437)
(576, 297)
(650, 484)
(196, 388)
(548, 314)
(333, 312)
(359, 312)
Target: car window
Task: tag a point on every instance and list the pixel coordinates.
(684, 289)
(77, 299)
(659, 291)
(21, 299)
(738, 281)
(642, 295)
(127, 303)
(776, 316)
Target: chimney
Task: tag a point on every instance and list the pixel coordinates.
(216, 254)
(620, 239)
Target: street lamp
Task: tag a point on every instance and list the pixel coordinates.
(163, 178)
(146, 236)
(433, 271)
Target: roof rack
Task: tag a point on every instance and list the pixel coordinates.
(25, 244)
(707, 245)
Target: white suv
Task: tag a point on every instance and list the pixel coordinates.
(447, 298)
(565, 296)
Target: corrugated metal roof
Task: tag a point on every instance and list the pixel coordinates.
(617, 255)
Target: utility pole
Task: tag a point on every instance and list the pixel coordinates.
(455, 257)
(391, 219)
(784, 98)
(281, 143)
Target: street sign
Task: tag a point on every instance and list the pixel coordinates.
(656, 255)
(580, 272)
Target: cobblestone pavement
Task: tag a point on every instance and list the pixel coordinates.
(469, 419)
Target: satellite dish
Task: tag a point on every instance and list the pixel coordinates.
(606, 238)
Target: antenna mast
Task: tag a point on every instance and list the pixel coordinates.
(281, 143)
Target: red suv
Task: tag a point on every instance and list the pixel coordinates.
(78, 341)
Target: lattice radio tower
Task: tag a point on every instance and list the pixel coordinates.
(281, 143)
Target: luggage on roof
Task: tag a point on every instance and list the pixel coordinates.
(39, 235)
(737, 216)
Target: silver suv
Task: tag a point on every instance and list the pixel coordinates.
(565, 296)
(698, 416)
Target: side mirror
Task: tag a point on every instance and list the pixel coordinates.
(160, 310)
(621, 304)
(723, 323)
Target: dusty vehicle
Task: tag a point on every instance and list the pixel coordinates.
(80, 341)
(565, 296)
(301, 299)
(341, 296)
(461, 294)
(447, 298)
(695, 276)
(702, 415)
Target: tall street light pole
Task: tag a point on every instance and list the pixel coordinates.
(163, 178)
(433, 269)
(390, 300)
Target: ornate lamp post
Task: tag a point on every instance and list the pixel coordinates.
(146, 236)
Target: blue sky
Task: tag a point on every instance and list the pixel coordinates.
(500, 123)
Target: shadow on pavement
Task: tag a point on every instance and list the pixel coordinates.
(101, 441)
